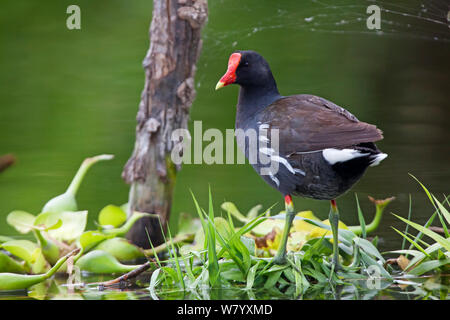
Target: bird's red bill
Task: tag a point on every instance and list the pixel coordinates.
(230, 76)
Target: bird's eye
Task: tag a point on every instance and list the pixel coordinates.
(245, 64)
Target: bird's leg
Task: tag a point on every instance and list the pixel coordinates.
(334, 222)
(280, 257)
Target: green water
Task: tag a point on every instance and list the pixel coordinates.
(66, 95)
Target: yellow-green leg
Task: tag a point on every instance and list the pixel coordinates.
(280, 257)
(333, 217)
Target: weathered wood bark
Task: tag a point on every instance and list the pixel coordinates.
(170, 66)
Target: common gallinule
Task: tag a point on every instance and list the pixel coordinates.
(323, 150)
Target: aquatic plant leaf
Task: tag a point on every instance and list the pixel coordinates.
(267, 226)
(187, 224)
(299, 225)
(47, 221)
(97, 261)
(89, 239)
(22, 221)
(73, 225)
(8, 264)
(121, 249)
(14, 281)
(253, 212)
(112, 215)
(28, 251)
(230, 207)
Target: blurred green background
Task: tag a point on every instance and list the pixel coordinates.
(69, 94)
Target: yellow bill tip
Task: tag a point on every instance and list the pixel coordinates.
(219, 85)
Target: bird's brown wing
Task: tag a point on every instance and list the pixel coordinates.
(309, 123)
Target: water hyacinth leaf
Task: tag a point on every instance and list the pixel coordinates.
(28, 251)
(267, 226)
(187, 224)
(8, 264)
(112, 215)
(22, 221)
(47, 221)
(13, 281)
(4, 239)
(89, 239)
(123, 229)
(120, 248)
(73, 225)
(67, 201)
(230, 207)
(97, 261)
(253, 212)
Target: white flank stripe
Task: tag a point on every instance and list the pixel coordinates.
(274, 179)
(268, 151)
(333, 156)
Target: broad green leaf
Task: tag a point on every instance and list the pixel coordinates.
(230, 207)
(73, 224)
(28, 251)
(47, 221)
(22, 221)
(120, 248)
(187, 224)
(8, 264)
(89, 239)
(112, 215)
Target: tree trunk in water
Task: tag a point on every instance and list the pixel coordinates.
(170, 66)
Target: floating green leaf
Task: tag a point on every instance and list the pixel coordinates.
(112, 215)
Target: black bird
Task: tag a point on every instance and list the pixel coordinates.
(321, 149)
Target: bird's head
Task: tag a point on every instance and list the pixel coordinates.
(246, 68)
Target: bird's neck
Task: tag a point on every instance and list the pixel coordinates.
(253, 99)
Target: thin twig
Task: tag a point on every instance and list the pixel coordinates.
(132, 274)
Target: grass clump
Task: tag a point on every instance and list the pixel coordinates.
(228, 257)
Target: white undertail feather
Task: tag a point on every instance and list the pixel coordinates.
(377, 159)
(333, 156)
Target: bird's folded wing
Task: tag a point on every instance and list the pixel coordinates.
(308, 123)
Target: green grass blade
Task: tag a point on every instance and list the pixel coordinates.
(362, 222)
(433, 235)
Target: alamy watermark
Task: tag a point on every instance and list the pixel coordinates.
(74, 20)
(261, 146)
(373, 22)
